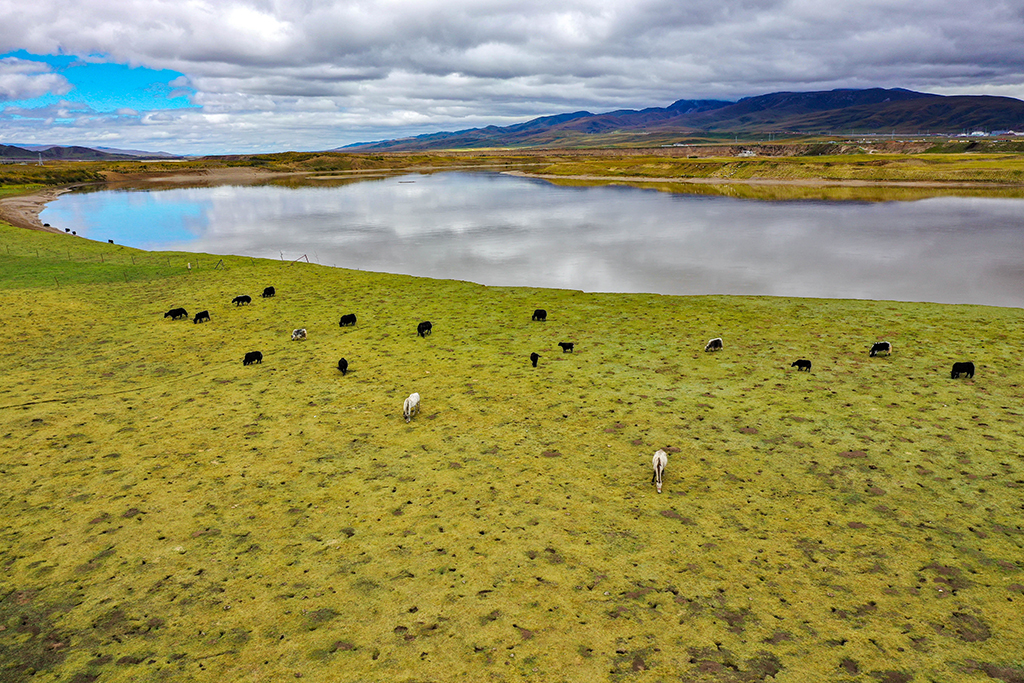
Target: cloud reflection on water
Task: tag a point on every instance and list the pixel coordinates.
(501, 230)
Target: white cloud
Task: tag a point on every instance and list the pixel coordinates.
(23, 80)
(321, 73)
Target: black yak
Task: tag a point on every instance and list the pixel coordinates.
(965, 368)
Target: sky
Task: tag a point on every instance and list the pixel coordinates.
(224, 76)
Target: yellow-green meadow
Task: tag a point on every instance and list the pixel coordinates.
(170, 514)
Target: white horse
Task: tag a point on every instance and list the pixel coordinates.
(411, 406)
(659, 462)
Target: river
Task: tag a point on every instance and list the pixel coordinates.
(498, 229)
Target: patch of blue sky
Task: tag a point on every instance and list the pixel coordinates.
(108, 87)
(148, 220)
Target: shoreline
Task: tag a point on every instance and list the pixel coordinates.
(22, 211)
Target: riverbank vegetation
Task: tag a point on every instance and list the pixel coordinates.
(173, 514)
(56, 173)
(975, 170)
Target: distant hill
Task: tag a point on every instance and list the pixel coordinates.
(844, 111)
(28, 153)
(138, 153)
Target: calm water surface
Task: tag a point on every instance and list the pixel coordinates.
(502, 230)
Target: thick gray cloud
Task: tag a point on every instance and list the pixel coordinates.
(307, 74)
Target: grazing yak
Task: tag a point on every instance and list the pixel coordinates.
(659, 461)
(343, 366)
(534, 357)
(252, 357)
(242, 299)
(176, 313)
(540, 314)
(269, 292)
(714, 344)
(965, 368)
(801, 365)
(411, 406)
(347, 319)
(880, 347)
(567, 347)
(299, 334)
(201, 316)
(424, 328)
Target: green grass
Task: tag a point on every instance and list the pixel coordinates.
(31, 259)
(24, 188)
(173, 515)
(892, 168)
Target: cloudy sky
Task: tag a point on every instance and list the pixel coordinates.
(221, 76)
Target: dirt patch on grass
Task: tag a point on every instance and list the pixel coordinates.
(29, 638)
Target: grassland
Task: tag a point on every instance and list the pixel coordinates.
(971, 170)
(172, 515)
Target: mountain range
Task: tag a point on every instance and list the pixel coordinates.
(833, 112)
(838, 112)
(29, 153)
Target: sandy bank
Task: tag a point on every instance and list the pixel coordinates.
(23, 211)
(233, 175)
